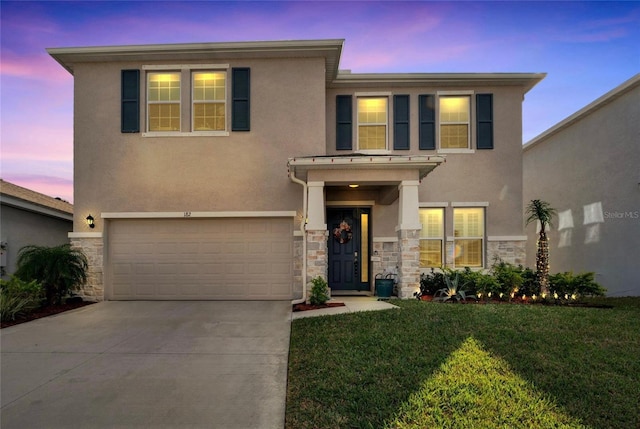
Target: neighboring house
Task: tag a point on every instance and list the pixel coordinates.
(30, 218)
(588, 168)
(243, 170)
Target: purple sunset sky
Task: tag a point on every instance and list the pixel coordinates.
(587, 49)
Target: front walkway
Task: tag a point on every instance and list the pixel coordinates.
(351, 304)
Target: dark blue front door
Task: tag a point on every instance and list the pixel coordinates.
(348, 248)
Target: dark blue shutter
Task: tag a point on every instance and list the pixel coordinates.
(427, 115)
(130, 99)
(240, 94)
(401, 122)
(344, 120)
(484, 121)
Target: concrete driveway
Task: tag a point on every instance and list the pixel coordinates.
(142, 364)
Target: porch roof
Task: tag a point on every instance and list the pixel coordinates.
(424, 164)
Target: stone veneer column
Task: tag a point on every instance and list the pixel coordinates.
(408, 262)
(316, 233)
(316, 254)
(92, 245)
(408, 229)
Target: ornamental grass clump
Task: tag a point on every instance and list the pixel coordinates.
(19, 297)
(452, 291)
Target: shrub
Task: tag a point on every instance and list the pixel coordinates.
(508, 276)
(530, 284)
(319, 291)
(19, 297)
(60, 269)
(476, 281)
(579, 284)
(430, 283)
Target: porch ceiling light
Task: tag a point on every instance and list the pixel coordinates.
(90, 222)
(353, 185)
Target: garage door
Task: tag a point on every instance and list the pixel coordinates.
(200, 259)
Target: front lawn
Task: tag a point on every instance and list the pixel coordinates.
(472, 366)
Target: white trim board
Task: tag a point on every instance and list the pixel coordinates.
(194, 214)
(85, 235)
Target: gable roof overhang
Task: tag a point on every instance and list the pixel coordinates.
(26, 199)
(382, 173)
(329, 49)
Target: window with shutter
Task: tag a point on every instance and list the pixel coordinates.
(427, 116)
(130, 101)
(484, 121)
(344, 121)
(240, 100)
(401, 122)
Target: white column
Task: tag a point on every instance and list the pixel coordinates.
(408, 206)
(316, 209)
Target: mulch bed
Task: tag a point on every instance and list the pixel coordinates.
(46, 311)
(305, 307)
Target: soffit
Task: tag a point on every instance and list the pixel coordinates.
(353, 164)
(329, 49)
(390, 80)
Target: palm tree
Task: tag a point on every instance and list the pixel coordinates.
(543, 212)
(59, 269)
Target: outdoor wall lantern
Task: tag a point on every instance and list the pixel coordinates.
(90, 222)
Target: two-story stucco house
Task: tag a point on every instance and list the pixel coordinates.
(242, 170)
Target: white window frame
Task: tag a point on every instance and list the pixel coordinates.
(150, 103)
(483, 238)
(225, 102)
(444, 94)
(387, 95)
(185, 70)
(442, 238)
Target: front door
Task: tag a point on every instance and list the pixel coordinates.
(348, 246)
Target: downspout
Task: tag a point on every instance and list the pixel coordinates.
(303, 223)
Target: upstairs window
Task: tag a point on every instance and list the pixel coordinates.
(454, 121)
(431, 237)
(468, 231)
(372, 123)
(163, 98)
(209, 96)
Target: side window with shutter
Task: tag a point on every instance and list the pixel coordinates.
(240, 100)
(130, 101)
(484, 121)
(401, 122)
(344, 122)
(427, 117)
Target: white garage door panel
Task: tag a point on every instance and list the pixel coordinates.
(200, 259)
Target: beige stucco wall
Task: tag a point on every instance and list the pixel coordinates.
(593, 163)
(245, 171)
(485, 176)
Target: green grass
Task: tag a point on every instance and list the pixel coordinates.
(468, 366)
